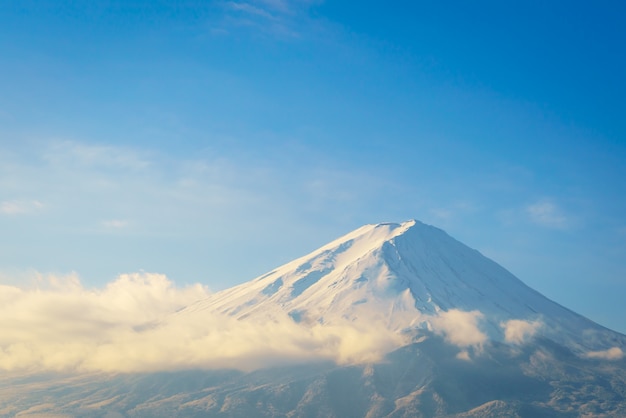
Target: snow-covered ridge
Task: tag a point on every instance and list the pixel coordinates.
(366, 294)
(408, 277)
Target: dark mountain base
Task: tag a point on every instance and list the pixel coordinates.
(424, 379)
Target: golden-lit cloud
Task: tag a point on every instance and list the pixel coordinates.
(60, 325)
(517, 331)
(132, 324)
(459, 327)
(138, 322)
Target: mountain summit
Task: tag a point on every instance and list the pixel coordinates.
(390, 320)
(409, 277)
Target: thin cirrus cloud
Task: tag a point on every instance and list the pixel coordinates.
(613, 353)
(547, 214)
(106, 186)
(250, 9)
(114, 183)
(20, 207)
(278, 19)
(115, 224)
(270, 8)
(76, 154)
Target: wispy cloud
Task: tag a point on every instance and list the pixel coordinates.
(277, 18)
(228, 202)
(446, 215)
(517, 331)
(548, 214)
(73, 153)
(115, 224)
(272, 8)
(250, 9)
(460, 328)
(20, 207)
(107, 186)
(614, 353)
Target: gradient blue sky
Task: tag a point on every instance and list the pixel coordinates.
(214, 141)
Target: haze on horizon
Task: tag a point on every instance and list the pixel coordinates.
(181, 150)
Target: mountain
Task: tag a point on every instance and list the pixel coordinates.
(403, 275)
(390, 320)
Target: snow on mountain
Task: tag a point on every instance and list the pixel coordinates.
(408, 277)
(352, 301)
(391, 320)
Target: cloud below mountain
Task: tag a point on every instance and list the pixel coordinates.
(613, 353)
(131, 325)
(518, 331)
(460, 328)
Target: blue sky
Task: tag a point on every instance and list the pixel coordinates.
(213, 141)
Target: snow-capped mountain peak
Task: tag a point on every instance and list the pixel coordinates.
(409, 277)
(389, 320)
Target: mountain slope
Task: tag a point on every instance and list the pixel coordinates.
(468, 340)
(405, 276)
(423, 379)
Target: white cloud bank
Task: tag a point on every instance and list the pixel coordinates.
(138, 323)
(132, 325)
(60, 325)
